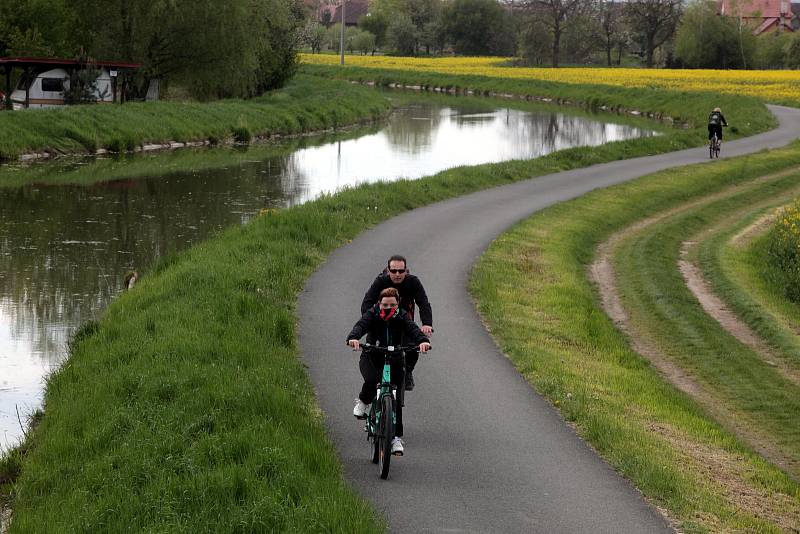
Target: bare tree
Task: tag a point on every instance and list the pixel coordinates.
(557, 15)
(610, 13)
(655, 21)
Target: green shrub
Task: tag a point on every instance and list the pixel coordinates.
(241, 134)
(784, 251)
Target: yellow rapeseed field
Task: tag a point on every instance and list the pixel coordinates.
(776, 86)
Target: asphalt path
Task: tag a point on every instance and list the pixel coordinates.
(484, 452)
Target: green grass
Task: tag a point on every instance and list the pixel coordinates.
(533, 291)
(656, 296)
(741, 276)
(307, 103)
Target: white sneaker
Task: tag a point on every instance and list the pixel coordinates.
(397, 447)
(360, 410)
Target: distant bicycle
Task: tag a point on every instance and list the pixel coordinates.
(380, 423)
(713, 147)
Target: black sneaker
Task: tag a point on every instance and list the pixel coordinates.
(409, 381)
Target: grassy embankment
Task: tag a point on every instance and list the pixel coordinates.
(533, 290)
(760, 401)
(683, 107)
(739, 273)
(90, 170)
(86, 171)
(774, 86)
(306, 104)
(187, 408)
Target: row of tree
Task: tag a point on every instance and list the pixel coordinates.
(667, 32)
(236, 48)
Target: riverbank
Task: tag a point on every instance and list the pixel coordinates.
(561, 339)
(92, 170)
(681, 108)
(307, 104)
(206, 419)
(772, 86)
(732, 257)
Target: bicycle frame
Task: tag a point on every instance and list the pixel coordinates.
(713, 147)
(380, 424)
(385, 387)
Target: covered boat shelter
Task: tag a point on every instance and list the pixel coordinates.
(31, 64)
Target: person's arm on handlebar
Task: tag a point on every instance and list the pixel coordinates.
(358, 331)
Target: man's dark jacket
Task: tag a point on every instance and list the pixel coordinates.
(410, 290)
(398, 330)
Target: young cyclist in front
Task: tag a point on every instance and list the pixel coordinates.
(384, 324)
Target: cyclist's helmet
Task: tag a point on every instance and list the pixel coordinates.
(717, 110)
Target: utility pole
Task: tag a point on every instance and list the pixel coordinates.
(341, 37)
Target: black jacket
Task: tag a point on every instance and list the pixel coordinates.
(716, 119)
(398, 330)
(411, 291)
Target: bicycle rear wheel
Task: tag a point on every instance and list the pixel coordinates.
(711, 150)
(385, 435)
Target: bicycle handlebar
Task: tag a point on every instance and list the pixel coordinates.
(392, 348)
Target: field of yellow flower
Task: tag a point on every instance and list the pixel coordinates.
(776, 86)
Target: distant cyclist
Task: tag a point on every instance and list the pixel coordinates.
(716, 120)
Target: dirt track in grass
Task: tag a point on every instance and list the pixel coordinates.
(602, 273)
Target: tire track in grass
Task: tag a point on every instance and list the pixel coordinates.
(603, 274)
(714, 305)
(743, 239)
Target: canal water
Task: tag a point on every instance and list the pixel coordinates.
(65, 249)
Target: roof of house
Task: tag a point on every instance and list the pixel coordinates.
(24, 62)
(354, 10)
(756, 8)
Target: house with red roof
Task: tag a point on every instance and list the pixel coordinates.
(330, 11)
(762, 15)
(353, 10)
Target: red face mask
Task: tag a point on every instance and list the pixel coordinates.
(388, 314)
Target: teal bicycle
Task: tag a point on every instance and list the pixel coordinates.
(382, 418)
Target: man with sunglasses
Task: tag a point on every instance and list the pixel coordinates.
(396, 275)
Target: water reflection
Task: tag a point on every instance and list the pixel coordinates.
(65, 250)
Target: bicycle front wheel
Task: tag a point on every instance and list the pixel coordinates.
(374, 431)
(385, 435)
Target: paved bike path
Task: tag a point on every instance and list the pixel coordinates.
(484, 452)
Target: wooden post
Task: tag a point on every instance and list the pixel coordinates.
(341, 37)
(27, 87)
(9, 106)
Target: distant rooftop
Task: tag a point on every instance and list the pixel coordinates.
(57, 62)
